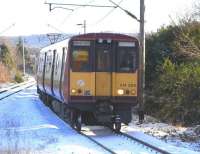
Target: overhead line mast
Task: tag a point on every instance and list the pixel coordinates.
(142, 61)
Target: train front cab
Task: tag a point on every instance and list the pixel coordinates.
(104, 77)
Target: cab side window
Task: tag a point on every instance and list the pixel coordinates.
(126, 60)
(126, 57)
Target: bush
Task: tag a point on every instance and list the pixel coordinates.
(5, 56)
(172, 73)
(18, 77)
(181, 43)
(177, 93)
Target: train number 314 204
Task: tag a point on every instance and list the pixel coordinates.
(127, 85)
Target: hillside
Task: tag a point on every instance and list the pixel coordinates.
(38, 41)
(42, 40)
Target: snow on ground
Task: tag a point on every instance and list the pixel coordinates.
(186, 137)
(122, 145)
(6, 85)
(27, 126)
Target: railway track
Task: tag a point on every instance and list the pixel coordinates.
(6, 89)
(6, 92)
(98, 143)
(2, 90)
(151, 147)
(123, 139)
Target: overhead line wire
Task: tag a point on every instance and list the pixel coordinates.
(105, 16)
(126, 11)
(8, 28)
(82, 5)
(65, 19)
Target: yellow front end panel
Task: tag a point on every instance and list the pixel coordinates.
(82, 83)
(124, 84)
(103, 84)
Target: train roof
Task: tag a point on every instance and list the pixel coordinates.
(90, 36)
(63, 43)
(112, 36)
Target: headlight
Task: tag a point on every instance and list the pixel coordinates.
(133, 92)
(120, 91)
(73, 91)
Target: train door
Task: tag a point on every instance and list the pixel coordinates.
(52, 72)
(103, 62)
(44, 72)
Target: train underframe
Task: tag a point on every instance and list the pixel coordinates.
(100, 113)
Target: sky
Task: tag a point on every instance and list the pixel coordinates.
(27, 17)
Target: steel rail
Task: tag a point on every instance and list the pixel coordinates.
(99, 144)
(8, 88)
(3, 91)
(149, 146)
(144, 143)
(13, 87)
(16, 91)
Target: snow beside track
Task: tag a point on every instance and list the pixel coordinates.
(27, 126)
(182, 138)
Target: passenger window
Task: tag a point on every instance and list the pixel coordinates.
(41, 64)
(48, 63)
(80, 60)
(56, 64)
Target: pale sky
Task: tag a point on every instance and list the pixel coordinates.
(33, 16)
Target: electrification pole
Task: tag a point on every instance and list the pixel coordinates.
(142, 62)
(84, 26)
(24, 69)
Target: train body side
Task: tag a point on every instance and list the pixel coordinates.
(51, 70)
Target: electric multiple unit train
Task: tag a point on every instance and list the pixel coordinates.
(90, 78)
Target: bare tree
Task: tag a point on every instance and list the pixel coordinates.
(197, 10)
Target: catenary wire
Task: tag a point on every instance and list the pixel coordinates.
(107, 14)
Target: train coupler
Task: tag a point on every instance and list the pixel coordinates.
(104, 112)
(116, 118)
(117, 123)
